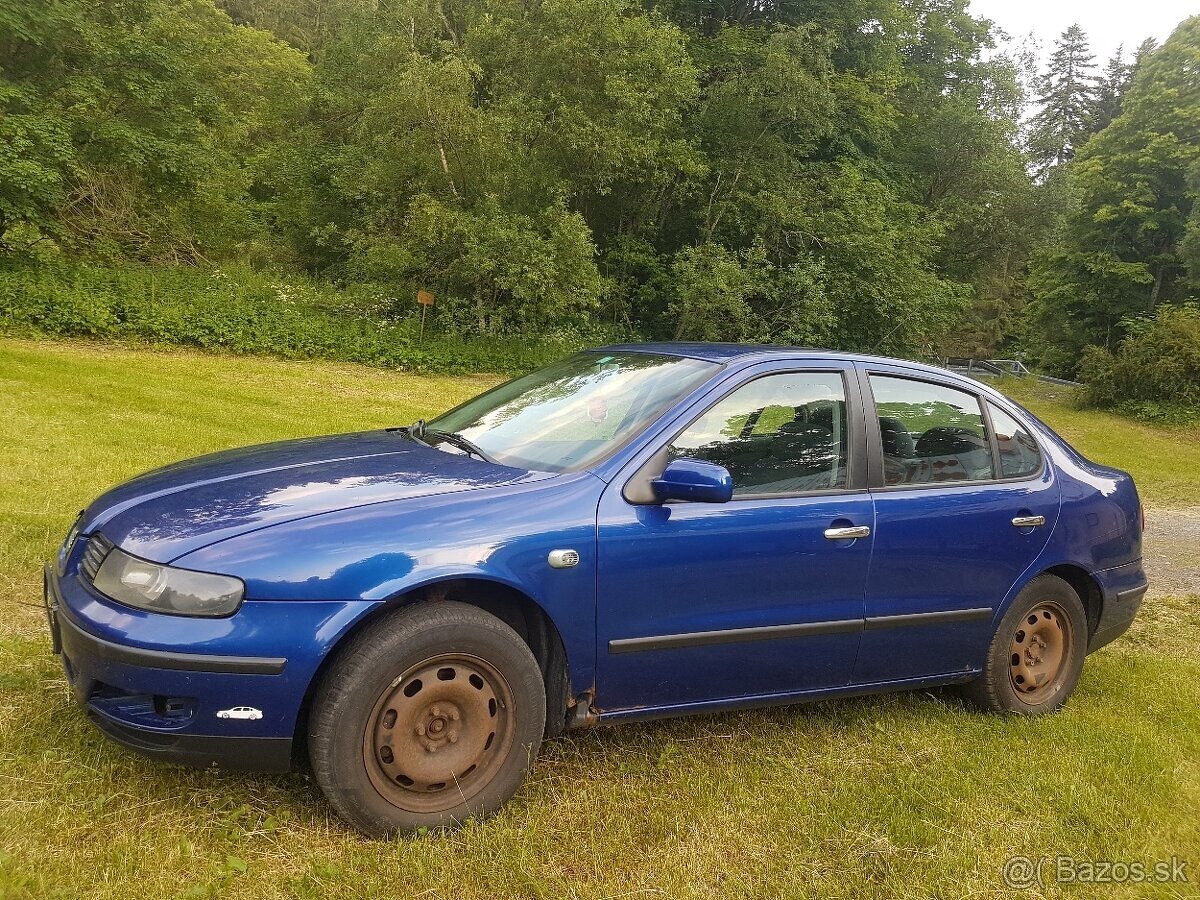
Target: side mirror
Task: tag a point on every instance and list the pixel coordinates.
(693, 480)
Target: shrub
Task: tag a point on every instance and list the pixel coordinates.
(1155, 372)
(243, 311)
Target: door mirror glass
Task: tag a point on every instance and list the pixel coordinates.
(693, 480)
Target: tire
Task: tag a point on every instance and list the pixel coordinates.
(432, 715)
(1036, 655)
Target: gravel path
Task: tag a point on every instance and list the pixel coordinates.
(1172, 550)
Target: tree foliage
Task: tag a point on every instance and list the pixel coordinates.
(138, 128)
(1068, 102)
(802, 171)
(1127, 247)
(1155, 373)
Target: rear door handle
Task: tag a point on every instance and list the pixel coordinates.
(847, 534)
(1029, 521)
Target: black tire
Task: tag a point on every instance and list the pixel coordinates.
(418, 692)
(1017, 652)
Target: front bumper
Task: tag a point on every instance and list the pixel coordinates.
(157, 683)
(1122, 590)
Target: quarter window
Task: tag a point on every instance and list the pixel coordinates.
(1019, 453)
(780, 434)
(930, 433)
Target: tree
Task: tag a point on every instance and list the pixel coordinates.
(1067, 103)
(1113, 83)
(842, 172)
(136, 128)
(1124, 251)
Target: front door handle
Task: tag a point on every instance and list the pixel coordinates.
(847, 534)
(1029, 521)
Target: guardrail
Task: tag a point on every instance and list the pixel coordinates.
(997, 368)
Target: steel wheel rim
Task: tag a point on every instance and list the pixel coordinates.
(1039, 653)
(437, 734)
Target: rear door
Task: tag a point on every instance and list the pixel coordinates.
(959, 516)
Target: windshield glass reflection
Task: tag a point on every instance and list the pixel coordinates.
(576, 412)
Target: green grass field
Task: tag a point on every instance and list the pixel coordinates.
(906, 795)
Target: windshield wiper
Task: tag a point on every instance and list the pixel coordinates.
(418, 431)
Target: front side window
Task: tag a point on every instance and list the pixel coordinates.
(780, 434)
(1019, 453)
(571, 414)
(930, 433)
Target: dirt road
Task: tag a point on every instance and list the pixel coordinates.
(1172, 550)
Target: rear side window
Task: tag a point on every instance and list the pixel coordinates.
(1019, 453)
(779, 434)
(931, 434)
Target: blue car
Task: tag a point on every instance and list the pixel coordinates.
(635, 532)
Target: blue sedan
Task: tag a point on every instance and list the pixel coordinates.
(635, 532)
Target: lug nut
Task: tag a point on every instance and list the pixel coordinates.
(453, 738)
(434, 711)
(421, 730)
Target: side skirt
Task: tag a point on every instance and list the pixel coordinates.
(790, 698)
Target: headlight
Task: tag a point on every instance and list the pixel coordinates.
(181, 592)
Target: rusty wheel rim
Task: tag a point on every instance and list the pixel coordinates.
(438, 733)
(1040, 648)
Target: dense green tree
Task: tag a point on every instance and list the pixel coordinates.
(511, 130)
(137, 127)
(305, 24)
(1125, 250)
(810, 171)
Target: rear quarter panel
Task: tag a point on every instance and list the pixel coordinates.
(1099, 525)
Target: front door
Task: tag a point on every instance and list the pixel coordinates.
(707, 602)
(950, 500)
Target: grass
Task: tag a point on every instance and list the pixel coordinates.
(1164, 461)
(906, 795)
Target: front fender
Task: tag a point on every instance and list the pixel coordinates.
(378, 552)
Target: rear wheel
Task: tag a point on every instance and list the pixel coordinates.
(1037, 652)
(432, 715)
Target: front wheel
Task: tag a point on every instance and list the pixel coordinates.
(1037, 652)
(433, 714)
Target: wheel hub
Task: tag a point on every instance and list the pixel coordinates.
(438, 732)
(1039, 653)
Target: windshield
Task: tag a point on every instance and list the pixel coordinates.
(575, 412)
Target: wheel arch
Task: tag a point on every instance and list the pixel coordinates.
(1086, 586)
(508, 603)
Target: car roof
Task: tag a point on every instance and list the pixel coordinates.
(726, 352)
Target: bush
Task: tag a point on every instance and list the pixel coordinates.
(1155, 373)
(242, 311)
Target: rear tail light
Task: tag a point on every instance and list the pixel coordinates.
(1142, 512)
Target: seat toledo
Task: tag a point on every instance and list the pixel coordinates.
(637, 531)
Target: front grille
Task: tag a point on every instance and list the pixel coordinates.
(93, 554)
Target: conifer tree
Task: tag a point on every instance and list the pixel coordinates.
(1067, 101)
(1113, 83)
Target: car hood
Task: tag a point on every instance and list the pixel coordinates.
(172, 511)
